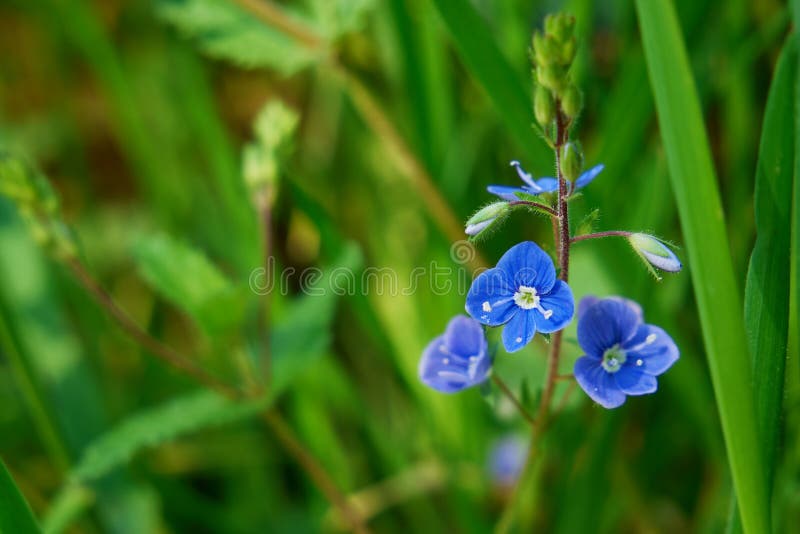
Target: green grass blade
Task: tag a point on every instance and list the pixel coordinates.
(766, 301)
(718, 300)
(477, 47)
(15, 514)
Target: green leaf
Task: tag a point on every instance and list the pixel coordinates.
(157, 425)
(226, 32)
(476, 45)
(67, 506)
(766, 300)
(694, 183)
(186, 278)
(15, 514)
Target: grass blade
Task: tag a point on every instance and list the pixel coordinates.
(766, 301)
(15, 514)
(477, 47)
(700, 209)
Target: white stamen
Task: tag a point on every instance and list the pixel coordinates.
(487, 307)
(527, 298)
(518, 340)
(639, 362)
(446, 361)
(649, 339)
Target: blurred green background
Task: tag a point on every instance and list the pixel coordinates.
(138, 112)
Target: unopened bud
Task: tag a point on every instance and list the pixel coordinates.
(485, 217)
(543, 106)
(655, 253)
(568, 50)
(552, 77)
(571, 101)
(571, 161)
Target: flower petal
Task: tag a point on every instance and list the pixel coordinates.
(507, 192)
(585, 303)
(490, 299)
(526, 264)
(605, 324)
(587, 177)
(524, 176)
(545, 185)
(654, 347)
(464, 337)
(597, 383)
(433, 371)
(561, 303)
(632, 380)
(519, 331)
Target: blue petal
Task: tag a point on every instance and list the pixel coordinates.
(525, 264)
(507, 192)
(585, 303)
(587, 177)
(464, 337)
(432, 369)
(634, 381)
(519, 331)
(561, 303)
(490, 299)
(605, 324)
(524, 176)
(597, 383)
(546, 185)
(654, 347)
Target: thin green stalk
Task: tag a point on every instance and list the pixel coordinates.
(718, 299)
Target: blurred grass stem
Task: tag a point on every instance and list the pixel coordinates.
(271, 417)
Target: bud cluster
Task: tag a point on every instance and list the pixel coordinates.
(37, 204)
(552, 56)
(273, 129)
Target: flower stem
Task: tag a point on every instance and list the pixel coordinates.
(598, 235)
(514, 400)
(561, 233)
(543, 207)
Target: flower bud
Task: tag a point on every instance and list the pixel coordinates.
(485, 217)
(655, 253)
(543, 106)
(571, 101)
(568, 50)
(560, 26)
(571, 161)
(552, 77)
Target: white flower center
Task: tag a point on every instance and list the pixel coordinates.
(613, 359)
(527, 298)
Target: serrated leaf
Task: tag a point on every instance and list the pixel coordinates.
(187, 279)
(151, 427)
(15, 514)
(225, 31)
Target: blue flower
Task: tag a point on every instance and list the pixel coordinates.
(540, 186)
(457, 359)
(623, 354)
(522, 293)
(507, 459)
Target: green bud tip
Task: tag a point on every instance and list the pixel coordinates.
(571, 161)
(485, 217)
(543, 106)
(571, 101)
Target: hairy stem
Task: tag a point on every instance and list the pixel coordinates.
(598, 235)
(543, 207)
(541, 419)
